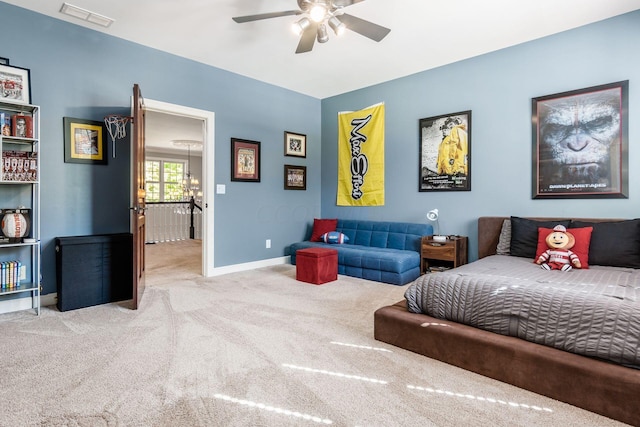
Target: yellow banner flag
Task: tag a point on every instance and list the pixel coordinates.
(361, 157)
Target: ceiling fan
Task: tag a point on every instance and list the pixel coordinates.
(317, 15)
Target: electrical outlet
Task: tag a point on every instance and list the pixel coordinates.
(268, 244)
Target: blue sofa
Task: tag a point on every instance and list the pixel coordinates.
(383, 251)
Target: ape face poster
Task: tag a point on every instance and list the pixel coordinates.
(445, 152)
(580, 143)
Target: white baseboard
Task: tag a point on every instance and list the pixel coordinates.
(218, 271)
(16, 304)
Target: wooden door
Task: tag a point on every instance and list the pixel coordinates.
(138, 195)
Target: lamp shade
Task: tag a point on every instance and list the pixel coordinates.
(433, 215)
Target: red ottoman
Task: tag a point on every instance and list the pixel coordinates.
(317, 265)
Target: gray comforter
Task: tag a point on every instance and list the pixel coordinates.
(593, 312)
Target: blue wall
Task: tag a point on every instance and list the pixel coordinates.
(498, 88)
(85, 74)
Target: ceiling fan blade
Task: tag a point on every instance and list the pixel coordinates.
(250, 18)
(307, 39)
(366, 28)
(345, 3)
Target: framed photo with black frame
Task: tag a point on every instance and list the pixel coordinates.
(295, 144)
(84, 141)
(245, 160)
(295, 177)
(580, 143)
(445, 152)
(15, 84)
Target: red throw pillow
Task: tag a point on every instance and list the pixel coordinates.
(321, 226)
(581, 248)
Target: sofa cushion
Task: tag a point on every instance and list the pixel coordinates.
(321, 226)
(382, 234)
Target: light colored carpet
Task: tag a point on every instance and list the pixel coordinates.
(255, 348)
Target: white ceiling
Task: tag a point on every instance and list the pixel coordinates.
(424, 35)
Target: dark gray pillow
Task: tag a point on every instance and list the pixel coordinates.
(616, 244)
(524, 235)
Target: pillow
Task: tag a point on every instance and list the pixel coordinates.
(504, 241)
(581, 247)
(524, 235)
(615, 244)
(322, 226)
(334, 237)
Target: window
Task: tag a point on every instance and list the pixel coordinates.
(163, 180)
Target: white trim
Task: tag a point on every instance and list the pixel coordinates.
(16, 304)
(208, 172)
(236, 268)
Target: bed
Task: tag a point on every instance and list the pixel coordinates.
(597, 372)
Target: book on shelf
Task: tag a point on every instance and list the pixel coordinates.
(5, 124)
(10, 274)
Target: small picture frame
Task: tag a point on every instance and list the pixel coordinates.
(295, 177)
(245, 160)
(4, 61)
(84, 141)
(295, 144)
(15, 84)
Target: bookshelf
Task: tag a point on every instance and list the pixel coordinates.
(20, 207)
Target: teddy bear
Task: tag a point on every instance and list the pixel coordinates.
(559, 255)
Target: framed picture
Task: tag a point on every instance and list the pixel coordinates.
(4, 61)
(295, 144)
(15, 84)
(245, 160)
(295, 177)
(84, 141)
(445, 152)
(580, 143)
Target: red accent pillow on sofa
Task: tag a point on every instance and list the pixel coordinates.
(321, 226)
(581, 248)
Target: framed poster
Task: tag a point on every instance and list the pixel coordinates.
(245, 160)
(15, 84)
(580, 143)
(84, 141)
(445, 152)
(295, 177)
(295, 144)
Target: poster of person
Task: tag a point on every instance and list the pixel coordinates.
(580, 143)
(445, 152)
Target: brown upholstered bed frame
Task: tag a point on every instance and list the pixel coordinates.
(601, 387)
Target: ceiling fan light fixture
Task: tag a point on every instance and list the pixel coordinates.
(337, 26)
(300, 26)
(318, 12)
(323, 36)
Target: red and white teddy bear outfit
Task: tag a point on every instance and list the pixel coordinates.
(559, 256)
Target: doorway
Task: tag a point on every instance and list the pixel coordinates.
(179, 115)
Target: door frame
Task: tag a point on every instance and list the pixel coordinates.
(208, 172)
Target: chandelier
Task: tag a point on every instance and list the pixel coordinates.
(190, 184)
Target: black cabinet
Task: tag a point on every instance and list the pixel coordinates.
(92, 270)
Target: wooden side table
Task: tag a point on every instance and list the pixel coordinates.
(438, 256)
